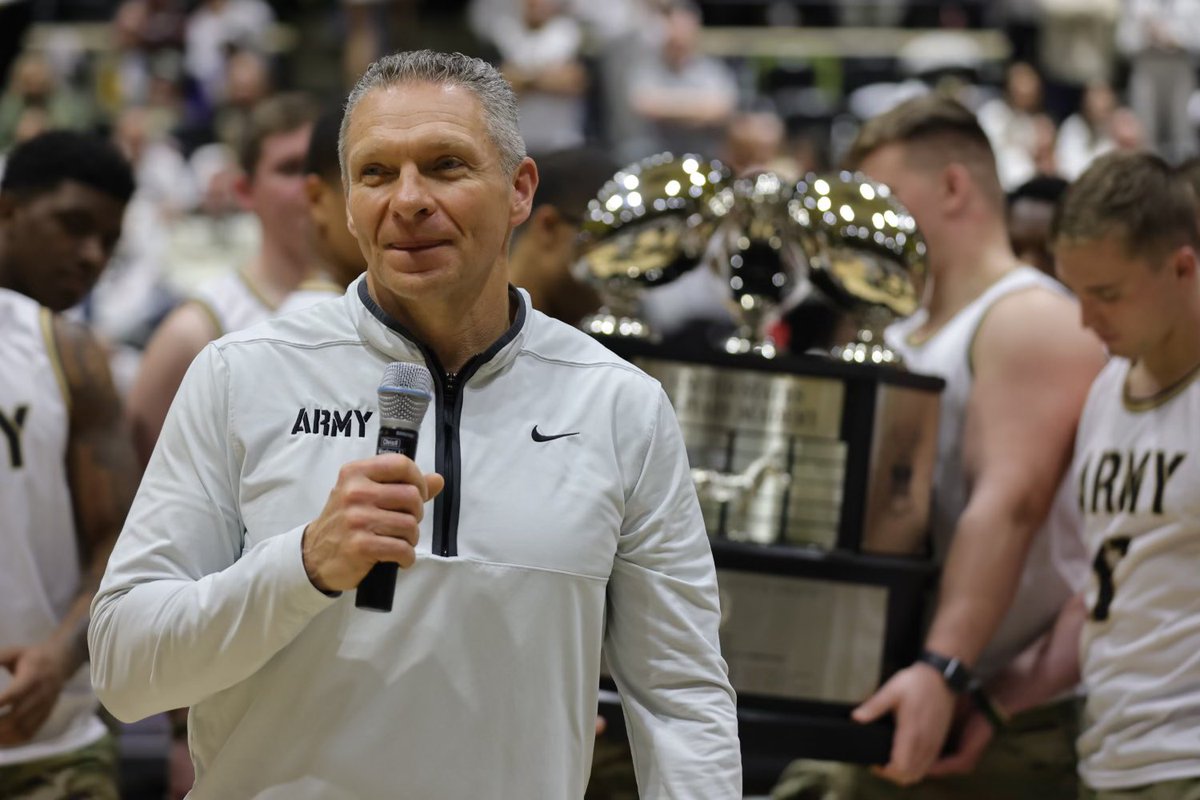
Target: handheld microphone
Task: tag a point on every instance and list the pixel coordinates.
(404, 395)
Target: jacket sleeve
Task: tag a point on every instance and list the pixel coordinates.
(182, 612)
(661, 641)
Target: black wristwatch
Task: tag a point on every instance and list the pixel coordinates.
(954, 672)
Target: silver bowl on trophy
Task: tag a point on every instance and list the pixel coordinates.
(762, 257)
(868, 258)
(649, 224)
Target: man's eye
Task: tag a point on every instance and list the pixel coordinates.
(75, 223)
(449, 163)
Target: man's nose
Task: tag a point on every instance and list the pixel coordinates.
(410, 197)
(93, 252)
(1087, 313)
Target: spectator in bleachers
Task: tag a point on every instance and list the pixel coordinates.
(1127, 131)
(1161, 39)
(540, 57)
(1086, 135)
(754, 140)
(1010, 123)
(685, 96)
(1076, 49)
(216, 26)
(247, 84)
(35, 87)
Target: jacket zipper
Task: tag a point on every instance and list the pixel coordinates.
(444, 543)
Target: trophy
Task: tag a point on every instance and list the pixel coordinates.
(868, 258)
(761, 256)
(648, 225)
(813, 474)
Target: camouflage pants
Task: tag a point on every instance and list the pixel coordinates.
(1186, 789)
(1031, 759)
(86, 774)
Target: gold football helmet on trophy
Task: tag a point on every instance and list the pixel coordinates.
(649, 224)
(869, 256)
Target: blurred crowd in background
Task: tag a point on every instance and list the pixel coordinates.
(781, 85)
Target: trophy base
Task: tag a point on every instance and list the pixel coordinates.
(823, 732)
(833, 737)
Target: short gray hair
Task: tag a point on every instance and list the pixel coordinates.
(494, 93)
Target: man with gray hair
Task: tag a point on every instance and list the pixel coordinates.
(563, 517)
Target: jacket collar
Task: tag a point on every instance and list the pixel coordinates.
(387, 335)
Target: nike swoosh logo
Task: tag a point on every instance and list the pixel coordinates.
(541, 437)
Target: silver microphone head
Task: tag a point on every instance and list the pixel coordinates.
(404, 395)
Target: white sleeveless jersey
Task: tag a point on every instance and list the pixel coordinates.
(40, 568)
(1138, 482)
(1056, 566)
(233, 302)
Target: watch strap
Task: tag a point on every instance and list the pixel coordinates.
(956, 674)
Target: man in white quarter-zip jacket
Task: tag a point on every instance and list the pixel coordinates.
(549, 511)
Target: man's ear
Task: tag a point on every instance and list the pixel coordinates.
(955, 184)
(525, 182)
(314, 192)
(544, 220)
(1184, 262)
(242, 191)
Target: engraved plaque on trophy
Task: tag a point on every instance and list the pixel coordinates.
(814, 478)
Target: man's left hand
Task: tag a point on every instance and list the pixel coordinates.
(973, 739)
(38, 674)
(923, 707)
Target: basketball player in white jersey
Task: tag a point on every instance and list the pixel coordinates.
(340, 258)
(1006, 339)
(67, 469)
(272, 187)
(1126, 242)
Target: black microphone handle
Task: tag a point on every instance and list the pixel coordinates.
(377, 589)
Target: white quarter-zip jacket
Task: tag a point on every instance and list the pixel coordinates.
(568, 520)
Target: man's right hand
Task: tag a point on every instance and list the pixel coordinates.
(373, 514)
(923, 708)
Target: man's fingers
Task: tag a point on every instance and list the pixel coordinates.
(388, 468)
(398, 551)
(876, 706)
(370, 523)
(435, 484)
(9, 657)
(15, 691)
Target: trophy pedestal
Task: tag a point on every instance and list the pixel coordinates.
(814, 478)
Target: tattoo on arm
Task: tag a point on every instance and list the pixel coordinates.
(101, 466)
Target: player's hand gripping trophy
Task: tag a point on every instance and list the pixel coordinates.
(868, 256)
(649, 224)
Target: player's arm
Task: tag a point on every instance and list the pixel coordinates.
(1033, 364)
(178, 340)
(102, 474)
(101, 468)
